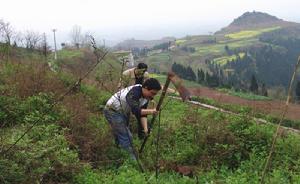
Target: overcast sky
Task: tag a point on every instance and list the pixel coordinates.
(141, 19)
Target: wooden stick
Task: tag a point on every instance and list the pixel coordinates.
(164, 91)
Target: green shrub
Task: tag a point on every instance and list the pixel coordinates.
(97, 98)
(10, 172)
(10, 111)
(128, 174)
(88, 176)
(43, 154)
(67, 79)
(33, 109)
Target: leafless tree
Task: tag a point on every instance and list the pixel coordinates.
(6, 32)
(43, 46)
(18, 39)
(32, 39)
(86, 40)
(76, 36)
(6, 36)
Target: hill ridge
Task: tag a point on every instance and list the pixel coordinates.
(255, 20)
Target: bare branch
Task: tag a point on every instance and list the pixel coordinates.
(32, 39)
(6, 32)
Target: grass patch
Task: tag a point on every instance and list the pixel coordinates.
(68, 54)
(157, 58)
(248, 96)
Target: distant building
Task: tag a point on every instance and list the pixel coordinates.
(126, 56)
(130, 62)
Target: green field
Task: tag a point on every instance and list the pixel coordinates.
(225, 59)
(214, 49)
(248, 96)
(160, 57)
(179, 42)
(218, 49)
(205, 49)
(233, 40)
(250, 33)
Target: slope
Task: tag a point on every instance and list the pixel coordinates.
(71, 142)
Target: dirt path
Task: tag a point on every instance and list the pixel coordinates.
(271, 107)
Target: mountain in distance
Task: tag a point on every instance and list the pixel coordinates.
(247, 21)
(255, 43)
(133, 43)
(255, 20)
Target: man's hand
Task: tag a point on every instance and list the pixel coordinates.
(146, 132)
(154, 112)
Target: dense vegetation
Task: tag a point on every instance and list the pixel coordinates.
(70, 142)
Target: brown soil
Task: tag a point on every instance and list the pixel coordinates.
(273, 107)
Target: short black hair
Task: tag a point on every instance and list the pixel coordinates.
(142, 66)
(152, 83)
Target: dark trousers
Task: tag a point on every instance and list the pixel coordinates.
(119, 125)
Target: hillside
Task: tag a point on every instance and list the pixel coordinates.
(253, 44)
(49, 139)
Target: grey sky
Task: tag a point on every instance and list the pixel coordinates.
(141, 19)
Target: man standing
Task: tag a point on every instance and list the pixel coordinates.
(133, 99)
(135, 75)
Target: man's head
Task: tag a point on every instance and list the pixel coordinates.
(140, 69)
(150, 88)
